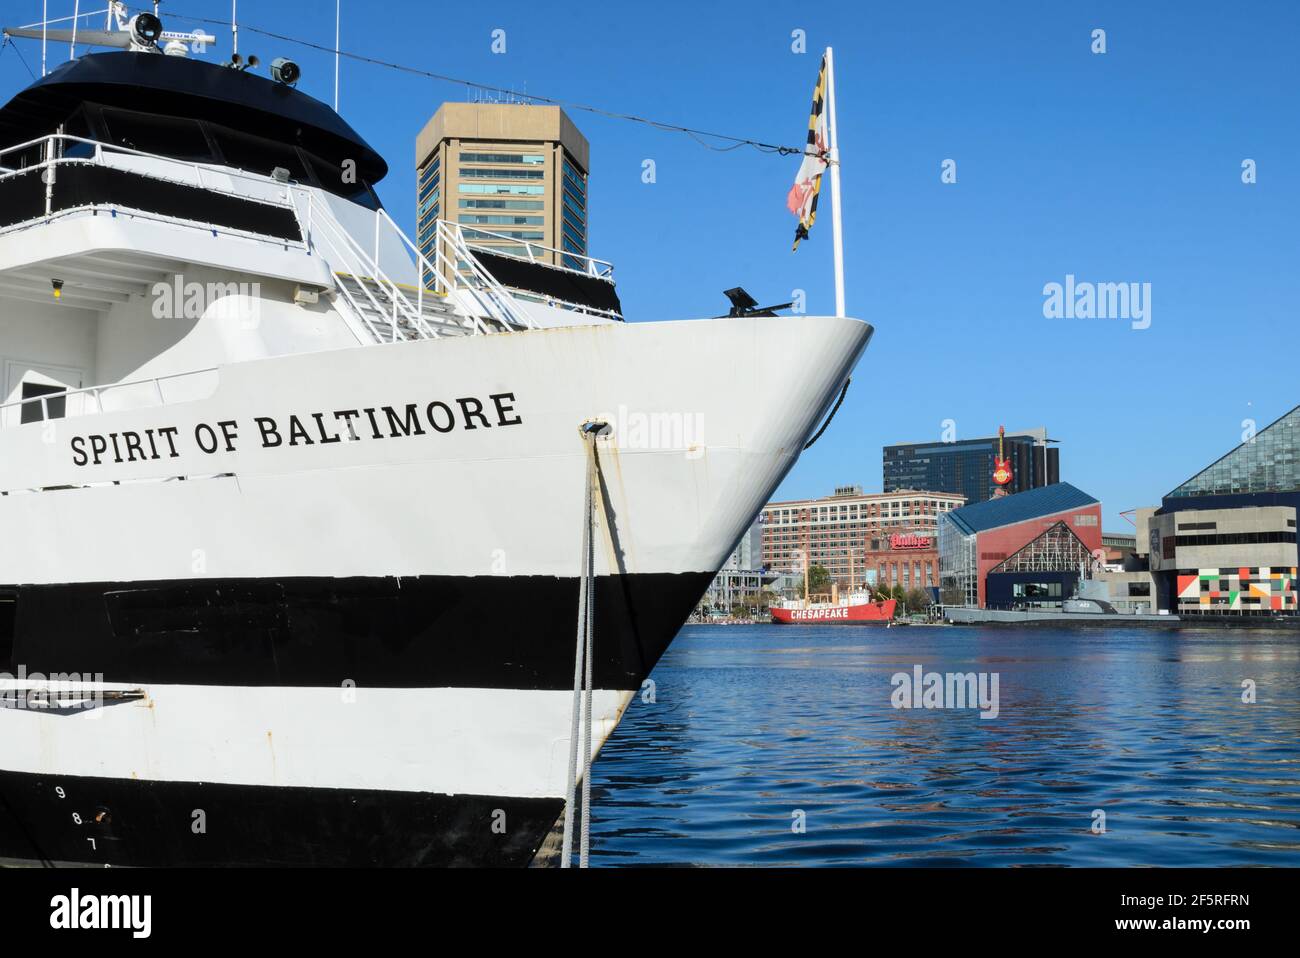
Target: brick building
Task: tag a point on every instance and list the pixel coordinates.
(877, 538)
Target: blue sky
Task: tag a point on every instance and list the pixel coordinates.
(1115, 167)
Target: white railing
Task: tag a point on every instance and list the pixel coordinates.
(136, 394)
(461, 237)
(493, 307)
(53, 156)
(537, 253)
(480, 282)
(486, 293)
(487, 306)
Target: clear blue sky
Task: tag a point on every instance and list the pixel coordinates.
(1121, 167)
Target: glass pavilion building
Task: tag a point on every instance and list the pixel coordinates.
(1224, 542)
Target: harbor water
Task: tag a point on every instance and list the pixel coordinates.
(781, 745)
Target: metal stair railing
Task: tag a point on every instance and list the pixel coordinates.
(486, 283)
(362, 267)
(365, 272)
(501, 308)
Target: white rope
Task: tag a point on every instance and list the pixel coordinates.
(582, 668)
(584, 849)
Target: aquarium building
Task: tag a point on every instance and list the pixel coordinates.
(1224, 542)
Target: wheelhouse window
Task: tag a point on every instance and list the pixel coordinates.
(332, 178)
(196, 141)
(78, 125)
(176, 137)
(254, 154)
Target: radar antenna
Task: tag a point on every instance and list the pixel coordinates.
(141, 33)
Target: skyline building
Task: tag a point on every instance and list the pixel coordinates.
(873, 538)
(741, 578)
(514, 176)
(965, 467)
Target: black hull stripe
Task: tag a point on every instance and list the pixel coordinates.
(142, 823)
(503, 632)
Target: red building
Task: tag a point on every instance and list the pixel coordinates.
(1020, 550)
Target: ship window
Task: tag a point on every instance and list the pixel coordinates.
(256, 155)
(8, 620)
(35, 411)
(177, 137)
(77, 125)
(330, 177)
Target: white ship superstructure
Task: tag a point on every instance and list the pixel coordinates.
(315, 521)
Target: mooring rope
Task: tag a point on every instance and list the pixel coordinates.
(843, 392)
(582, 666)
(584, 848)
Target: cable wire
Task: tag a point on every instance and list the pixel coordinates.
(695, 134)
(9, 41)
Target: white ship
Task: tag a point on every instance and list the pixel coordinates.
(302, 510)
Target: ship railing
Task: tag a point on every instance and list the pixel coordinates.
(112, 397)
(454, 267)
(54, 153)
(347, 258)
(462, 239)
(537, 253)
(385, 308)
(473, 277)
(487, 295)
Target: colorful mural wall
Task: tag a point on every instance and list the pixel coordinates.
(1238, 589)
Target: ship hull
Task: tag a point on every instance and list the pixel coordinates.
(202, 824)
(868, 613)
(328, 602)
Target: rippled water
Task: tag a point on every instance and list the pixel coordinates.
(752, 723)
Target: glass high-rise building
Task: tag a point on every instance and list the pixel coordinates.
(965, 467)
(514, 176)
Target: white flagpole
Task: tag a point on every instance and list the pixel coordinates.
(45, 26)
(337, 6)
(837, 228)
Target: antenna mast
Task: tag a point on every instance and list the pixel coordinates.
(234, 29)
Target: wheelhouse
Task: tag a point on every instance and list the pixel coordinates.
(191, 111)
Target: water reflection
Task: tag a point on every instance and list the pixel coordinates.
(754, 723)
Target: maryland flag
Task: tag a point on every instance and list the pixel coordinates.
(802, 200)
